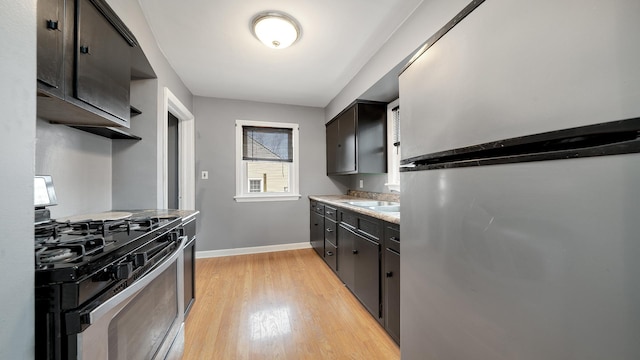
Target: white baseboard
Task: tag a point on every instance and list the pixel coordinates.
(251, 250)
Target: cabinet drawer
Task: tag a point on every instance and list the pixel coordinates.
(330, 213)
(349, 218)
(369, 227)
(392, 238)
(318, 207)
(331, 255)
(330, 231)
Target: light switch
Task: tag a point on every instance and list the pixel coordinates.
(205, 175)
(361, 183)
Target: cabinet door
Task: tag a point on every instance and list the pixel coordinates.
(367, 273)
(346, 152)
(103, 63)
(317, 233)
(392, 294)
(189, 275)
(346, 258)
(332, 147)
(50, 59)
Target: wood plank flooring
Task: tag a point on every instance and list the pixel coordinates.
(280, 305)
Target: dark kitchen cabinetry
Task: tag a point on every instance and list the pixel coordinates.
(50, 46)
(87, 58)
(103, 62)
(316, 229)
(189, 265)
(365, 254)
(356, 140)
(391, 271)
(359, 259)
(330, 237)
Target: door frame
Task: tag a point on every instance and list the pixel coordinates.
(186, 153)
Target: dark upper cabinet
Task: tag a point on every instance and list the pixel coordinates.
(356, 140)
(51, 22)
(87, 58)
(103, 63)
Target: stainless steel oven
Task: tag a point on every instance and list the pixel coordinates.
(143, 321)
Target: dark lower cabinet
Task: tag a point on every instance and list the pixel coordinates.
(317, 232)
(365, 254)
(359, 268)
(189, 265)
(367, 273)
(346, 260)
(331, 255)
(189, 275)
(392, 294)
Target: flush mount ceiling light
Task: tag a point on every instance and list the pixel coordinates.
(275, 29)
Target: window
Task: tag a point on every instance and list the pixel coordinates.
(393, 145)
(255, 185)
(266, 161)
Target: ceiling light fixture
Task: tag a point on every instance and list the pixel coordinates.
(275, 29)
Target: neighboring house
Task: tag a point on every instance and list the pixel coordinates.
(266, 176)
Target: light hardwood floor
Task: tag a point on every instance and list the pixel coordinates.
(280, 305)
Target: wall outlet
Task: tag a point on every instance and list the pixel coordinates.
(205, 175)
(361, 183)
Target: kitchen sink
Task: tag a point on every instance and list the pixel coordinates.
(367, 203)
(382, 206)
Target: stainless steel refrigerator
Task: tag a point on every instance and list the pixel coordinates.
(520, 227)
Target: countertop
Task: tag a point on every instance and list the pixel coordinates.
(186, 215)
(342, 202)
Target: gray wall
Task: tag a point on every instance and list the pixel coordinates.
(424, 22)
(80, 164)
(135, 165)
(226, 224)
(18, 130)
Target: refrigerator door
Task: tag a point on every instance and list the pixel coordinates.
(515, 67)
(524, 261)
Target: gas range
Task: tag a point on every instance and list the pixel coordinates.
(81, 265)
(105, 282)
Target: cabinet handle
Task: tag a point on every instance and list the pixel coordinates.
(84, 49)
(52, 24)
(355, 252)
(394, 238)
(329, 213)
(329, 253)
(390, 274)
(329, 230)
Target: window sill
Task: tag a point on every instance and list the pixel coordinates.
(256, 198)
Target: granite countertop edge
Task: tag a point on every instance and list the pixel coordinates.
(341, 201)
(186, 215)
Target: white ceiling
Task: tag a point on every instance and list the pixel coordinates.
(210, 46)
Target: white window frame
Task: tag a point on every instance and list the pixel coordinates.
(393, 158)
(242, 192)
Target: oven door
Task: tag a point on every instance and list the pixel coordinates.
(144, 321)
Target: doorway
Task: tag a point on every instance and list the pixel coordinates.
(173, 177)
(178, 193)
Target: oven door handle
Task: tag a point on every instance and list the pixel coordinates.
(113, 302)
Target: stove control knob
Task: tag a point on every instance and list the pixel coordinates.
(172, 236)
(123, 270)
(139, 259)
